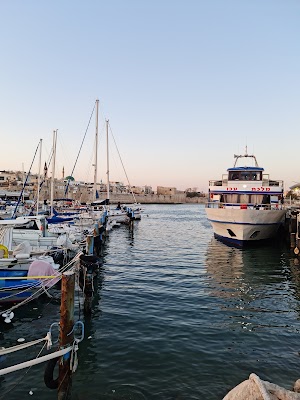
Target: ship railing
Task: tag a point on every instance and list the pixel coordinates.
(225, 179)
(215, 183)
(266, 181)
(249, 206)
(220, 182)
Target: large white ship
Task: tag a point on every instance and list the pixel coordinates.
(245, 205)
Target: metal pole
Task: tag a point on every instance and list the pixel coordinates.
(53, 171)
(65, 339)
(39, 179)
(96, 152)
(107, 158)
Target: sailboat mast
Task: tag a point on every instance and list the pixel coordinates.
(96, 151)
(53, 171)
(39, 179)
(107, 158)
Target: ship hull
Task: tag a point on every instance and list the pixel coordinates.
(242, 227)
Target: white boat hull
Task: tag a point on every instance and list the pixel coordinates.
(35, 239)
(241, 226)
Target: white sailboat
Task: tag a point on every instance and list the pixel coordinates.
(115, 216)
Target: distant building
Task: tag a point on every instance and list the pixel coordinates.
(7, 178)
(137, 189)
(166, 190)
(147, 190)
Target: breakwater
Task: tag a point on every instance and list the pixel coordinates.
(179, 198)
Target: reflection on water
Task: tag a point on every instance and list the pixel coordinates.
(176, 315)
(256, 284)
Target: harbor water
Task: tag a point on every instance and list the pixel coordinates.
(176, 315)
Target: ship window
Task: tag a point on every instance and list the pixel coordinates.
(256, 198)
(254, 234)
(225, 198)
(234, 176)
(256, 176)
(266, 199)
(245, 176)
(244, 198)
(231, 233)
(232, 198)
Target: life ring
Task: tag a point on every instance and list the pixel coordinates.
(5, 250)
(50, 382)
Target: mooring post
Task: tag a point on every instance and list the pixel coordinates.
(130, 214)
(293, 240)
(88, 269)
(90, 244)
(66, 333)
(97, 239)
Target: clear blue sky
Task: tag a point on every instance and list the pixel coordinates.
(185, 85)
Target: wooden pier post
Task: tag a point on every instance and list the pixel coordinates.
(97, 239)
(65, 338)
(90, 244)
(293, 240)
(88, 270)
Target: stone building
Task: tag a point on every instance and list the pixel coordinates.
(166, 191)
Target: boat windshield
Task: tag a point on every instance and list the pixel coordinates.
(245, 176)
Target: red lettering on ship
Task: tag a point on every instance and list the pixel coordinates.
(261, 189)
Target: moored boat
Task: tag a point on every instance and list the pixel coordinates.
(245, 206)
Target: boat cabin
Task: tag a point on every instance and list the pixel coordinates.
(245, 174)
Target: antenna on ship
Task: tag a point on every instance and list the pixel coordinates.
(246, 155)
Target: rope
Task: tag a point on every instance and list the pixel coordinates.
(122, 164)
(4, 394)
(8, 278)
(3, 231)
(67, 186)
(41, 289)
(28, 288)
(23, 346)
(35, 361)
(21, 194)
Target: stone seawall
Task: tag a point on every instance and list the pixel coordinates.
(155, 199)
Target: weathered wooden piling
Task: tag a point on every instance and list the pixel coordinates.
(98, 231)
(90, 244)
(66, 333)
(293, 230)
(130, 216)
(88, 270)
(293, 240)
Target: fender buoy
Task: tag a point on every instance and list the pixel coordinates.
(5, 250)
(50, 382)
(88, 258)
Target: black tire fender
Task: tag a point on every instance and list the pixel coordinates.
(50, 382)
